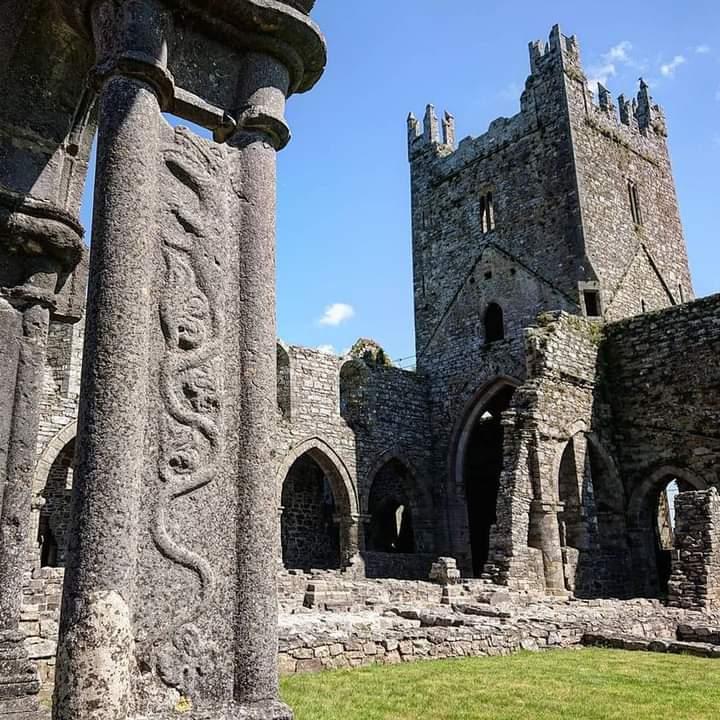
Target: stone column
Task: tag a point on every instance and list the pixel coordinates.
(18, 678)
(174, 500)
(46, 245)
(544, 518)
(45, 135)
(100, 580)
(262, 132)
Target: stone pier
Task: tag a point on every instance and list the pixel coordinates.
(170, 595)
(42, 275)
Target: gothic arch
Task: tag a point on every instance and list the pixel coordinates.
(651, 559)
(50, 453)
(413, 487)
(332, 465)
(50, 515)
(475, 460)
(638, 499)
(464, 424)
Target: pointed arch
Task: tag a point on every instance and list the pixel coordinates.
(330, 462)
(52, 489)
(392, 504)
(476, 461)
(637, 505)
(56, 445)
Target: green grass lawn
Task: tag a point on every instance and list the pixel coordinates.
(589, 684)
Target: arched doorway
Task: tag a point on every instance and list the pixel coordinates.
(664, 527)
(613, 579)
(390, 508)
(54, 519)
(481, 460)
(652, 526)
(309, 532)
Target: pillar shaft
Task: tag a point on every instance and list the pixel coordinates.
(258, 541)
(95, 635)
(174, 506)
(21, 458)
(18, 677)
(545, 520)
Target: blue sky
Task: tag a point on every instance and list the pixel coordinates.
(343, 183)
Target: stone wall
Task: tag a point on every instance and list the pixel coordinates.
(352, 417)
(695, 579)
(662, 378)
(403, 634)
(52, 481)
(39, 622)
(561, 518)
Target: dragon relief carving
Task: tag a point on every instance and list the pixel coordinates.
(191, 438)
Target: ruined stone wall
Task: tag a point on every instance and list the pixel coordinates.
(52, 481)
(556, 533)
(695, 579)
(663, 380)
(352, 417)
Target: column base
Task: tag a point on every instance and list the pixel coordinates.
(19, 681)
(266, 710)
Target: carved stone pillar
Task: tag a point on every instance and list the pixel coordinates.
(45, 134)
(170, 595)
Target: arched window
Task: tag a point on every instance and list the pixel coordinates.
(283, 380)
(494, 323)
(55, 513)
(391, 526)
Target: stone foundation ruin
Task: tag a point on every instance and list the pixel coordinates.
(553, 459)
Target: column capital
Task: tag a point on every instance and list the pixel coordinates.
(281, 28)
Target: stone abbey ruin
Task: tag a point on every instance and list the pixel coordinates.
(547, 476)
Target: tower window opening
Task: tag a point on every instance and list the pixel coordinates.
(592, 303)
(487, 213)
(494, 323)
(635, 203)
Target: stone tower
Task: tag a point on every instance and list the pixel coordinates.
(569, 205)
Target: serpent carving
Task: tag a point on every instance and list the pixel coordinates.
(191, 440)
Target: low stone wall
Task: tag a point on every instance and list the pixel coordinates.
(401, 566)
(316, 642)
(695, 579)
(390, 621)
(360, 592)
(39, 622)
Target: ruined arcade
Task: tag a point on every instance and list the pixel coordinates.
(520, 478)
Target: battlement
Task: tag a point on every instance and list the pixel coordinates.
(427, 134)
(558, 44)
(558, 57)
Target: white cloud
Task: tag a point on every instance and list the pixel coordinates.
(702, 49)
(617, 55)
(336, 314)
(620, 53)
(668, 69)
(326, 349)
